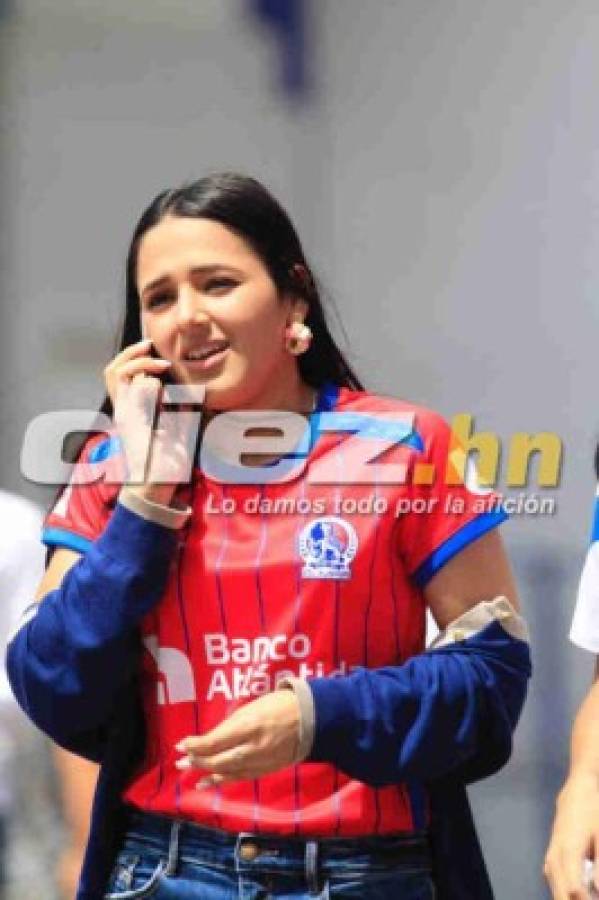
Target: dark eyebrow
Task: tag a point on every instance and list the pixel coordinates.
(197, 270)
(154, 284)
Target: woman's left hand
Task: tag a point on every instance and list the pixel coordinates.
(258, 738)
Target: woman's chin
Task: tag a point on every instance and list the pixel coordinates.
(222, 399)
(183, 375)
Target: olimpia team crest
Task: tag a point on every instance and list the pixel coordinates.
(327, 546)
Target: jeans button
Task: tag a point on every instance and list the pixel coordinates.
(249, 851)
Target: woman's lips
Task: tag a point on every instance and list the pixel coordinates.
(202, 365)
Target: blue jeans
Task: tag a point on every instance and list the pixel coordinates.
(164, 859)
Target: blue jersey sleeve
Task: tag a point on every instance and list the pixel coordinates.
(76, 649)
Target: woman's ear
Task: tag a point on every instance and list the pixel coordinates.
(302, 277)
(298, 310)
(301, 287)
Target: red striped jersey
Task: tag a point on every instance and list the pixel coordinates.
(309, 577)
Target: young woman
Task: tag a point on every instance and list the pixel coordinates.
(244, 653)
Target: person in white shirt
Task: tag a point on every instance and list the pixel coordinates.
(574, 843)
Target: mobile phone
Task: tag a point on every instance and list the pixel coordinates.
(166, 377)
(588, 872)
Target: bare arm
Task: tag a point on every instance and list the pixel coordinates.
(585, 734)
(77, 780)
(62, 560)
(479, 572)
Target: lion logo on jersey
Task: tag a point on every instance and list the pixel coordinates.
(327, 546)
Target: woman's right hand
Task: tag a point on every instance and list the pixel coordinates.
(158, 459)
(575, 837)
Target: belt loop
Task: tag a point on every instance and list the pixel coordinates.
(241, 837)
(173, 848)
(311, 867)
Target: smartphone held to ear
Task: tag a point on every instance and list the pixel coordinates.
(588, 878)
(166, 377)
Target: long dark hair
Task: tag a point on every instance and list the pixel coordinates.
(248, 209)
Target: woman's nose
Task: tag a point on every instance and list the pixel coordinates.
(190, 309)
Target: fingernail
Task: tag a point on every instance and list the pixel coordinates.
(184, 763)
(203, 783)
(181, 747)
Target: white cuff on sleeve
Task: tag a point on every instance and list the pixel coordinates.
(478, 617)
(154, 512)
(302, 691)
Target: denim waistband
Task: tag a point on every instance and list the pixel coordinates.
(179, 841)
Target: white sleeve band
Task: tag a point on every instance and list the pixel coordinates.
(302, 691)
(154, 512)
(478, 617)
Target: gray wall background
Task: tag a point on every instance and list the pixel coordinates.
(445, 180)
